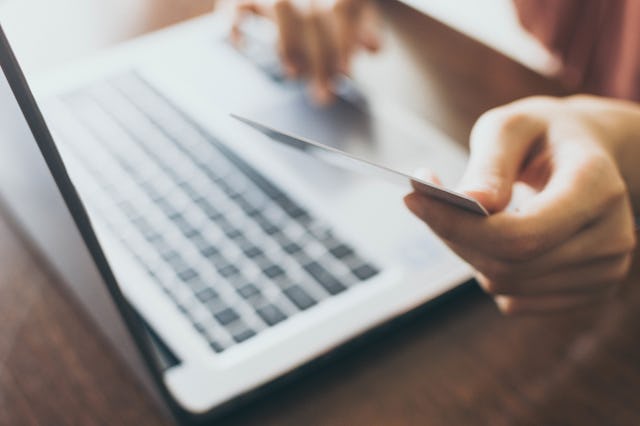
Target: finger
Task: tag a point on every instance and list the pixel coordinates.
(290, 45)
(369, 28)
(344, 13)
(581, 188)
(513, 305)
(320, 57)
(610, 237)
(585, 278)
(242, 10)
(500, 142)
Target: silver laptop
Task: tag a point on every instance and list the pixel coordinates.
(214, 261)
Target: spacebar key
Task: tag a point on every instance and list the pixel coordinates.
(324, 277)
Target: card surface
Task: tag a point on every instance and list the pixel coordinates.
(336, 156)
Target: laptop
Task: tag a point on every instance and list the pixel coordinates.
(215, 262)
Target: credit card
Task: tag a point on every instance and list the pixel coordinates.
(352, 162)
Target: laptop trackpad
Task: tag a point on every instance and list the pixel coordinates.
(350, 125)
(344, 122)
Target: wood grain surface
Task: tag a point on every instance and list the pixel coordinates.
(461, 363)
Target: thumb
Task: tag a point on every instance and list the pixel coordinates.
(500, 142)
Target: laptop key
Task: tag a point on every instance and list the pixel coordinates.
(364, 272)
(169, 255)
(273, 271)
(268, 227)
(228, 270)
(232, 233)
(341, 251)
(324, 277)
(292, 248)
(211, 212)
(209, 251)
(187, 274)
(216, 346)
(299, 297)
(206, 294)
(226, 316)
(292, 209)
(199, 241)
(248, 291)
(271, 314)
(252, 251)
(197, 285)
(244, 334)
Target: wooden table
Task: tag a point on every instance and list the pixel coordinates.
(458, 364)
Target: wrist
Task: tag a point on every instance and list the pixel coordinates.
(627, 153)
(617, 124)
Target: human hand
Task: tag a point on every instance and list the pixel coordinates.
(572, 240)
(316, 38)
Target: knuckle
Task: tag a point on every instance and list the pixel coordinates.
(502, 122)
(513, 121)
(489, 121)
(598, 172)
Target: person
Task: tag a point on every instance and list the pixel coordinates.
(573, 239)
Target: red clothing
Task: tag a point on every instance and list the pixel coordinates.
(598, 42)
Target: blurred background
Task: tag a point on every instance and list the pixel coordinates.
(67, 29)
(104, 22)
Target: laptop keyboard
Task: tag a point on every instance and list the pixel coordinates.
(233, 252)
